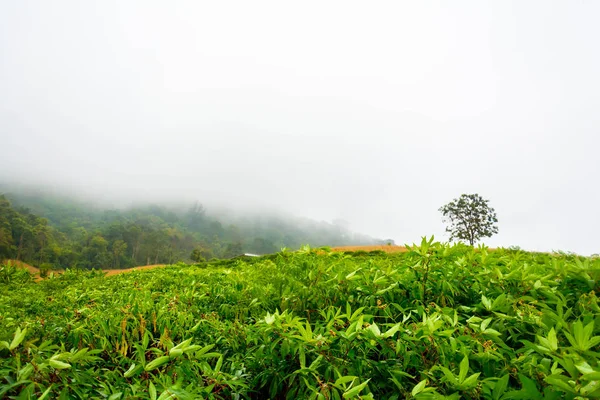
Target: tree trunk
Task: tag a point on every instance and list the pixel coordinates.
(136, 248)
(20, 248)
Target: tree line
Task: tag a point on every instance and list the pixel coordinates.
(54, 232)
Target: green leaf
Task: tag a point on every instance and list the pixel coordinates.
(419, 387)
(392, 331)
(219, 364)
(470, 382)
(302, 357)
(269, 319)
(464, 369)
(313, 365)
(152, 391)
(174, 353)
(344, 379)
(204, 350)
(553, 341)
(25, 372)
(18, 338)
(529, 386)
(549, 343)
(584, 367)
(491, 332)
(592, 376)
(559, 382)
(500, 387)
(46, 393)
(571, 339)
(499, 301)
(308, 334)
(355, 390)
(156, 363)
(486, 303)
(485, 324)
(182, 345)
(356, 313)
(593, 342)
(130, 371)
(58, 364)
(374, 329)
(449, 376)
(589, 388)
(352, 276)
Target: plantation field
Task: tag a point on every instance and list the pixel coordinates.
(436, 321)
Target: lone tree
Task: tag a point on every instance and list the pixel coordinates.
(469, 218)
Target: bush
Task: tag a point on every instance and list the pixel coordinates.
(45, 268)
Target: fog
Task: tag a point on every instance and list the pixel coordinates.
(374, 113)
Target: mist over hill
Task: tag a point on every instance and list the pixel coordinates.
(377, 115)
(44, 227)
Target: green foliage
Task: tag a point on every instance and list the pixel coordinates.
(9, 273)
(435, 322)
(26, 236)
(198, 255)
(45, 268)
(469, 218)
(74, 235)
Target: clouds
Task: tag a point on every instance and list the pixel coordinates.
(377, 114)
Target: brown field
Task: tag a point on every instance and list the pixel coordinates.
(110, 272)
(386, 248)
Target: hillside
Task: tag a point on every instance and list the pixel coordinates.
(434, 322)
(57, 232)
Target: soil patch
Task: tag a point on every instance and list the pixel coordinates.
(384, 247)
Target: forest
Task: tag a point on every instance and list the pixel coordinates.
(54, 232)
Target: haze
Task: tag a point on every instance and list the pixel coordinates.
(375, 113)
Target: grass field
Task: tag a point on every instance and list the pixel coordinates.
(432, 322)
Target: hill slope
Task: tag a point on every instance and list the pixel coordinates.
(44, 229)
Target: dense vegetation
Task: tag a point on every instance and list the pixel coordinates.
(53, 232)
(438, 321)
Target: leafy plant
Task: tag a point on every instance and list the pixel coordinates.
(439, 321)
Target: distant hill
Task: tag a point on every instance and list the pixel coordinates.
(47, 228)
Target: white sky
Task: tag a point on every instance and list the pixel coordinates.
(374, 112)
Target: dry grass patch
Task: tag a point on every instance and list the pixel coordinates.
(384, 247)
(110, 272)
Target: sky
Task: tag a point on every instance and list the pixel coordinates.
(377, 113)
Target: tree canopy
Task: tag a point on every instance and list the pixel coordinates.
(469, 218)
(44, 229)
